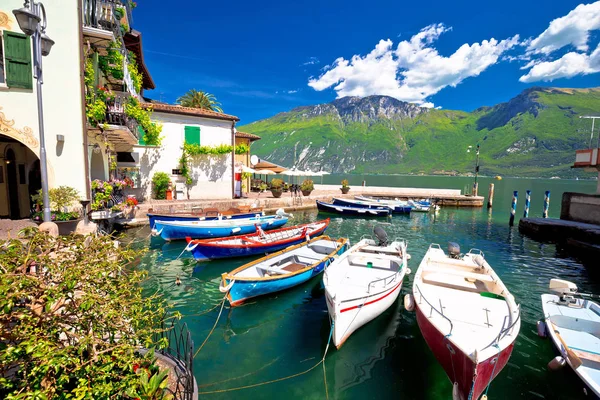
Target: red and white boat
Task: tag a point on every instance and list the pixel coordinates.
(362, 283)
(467, 316)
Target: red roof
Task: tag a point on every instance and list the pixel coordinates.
(197, 112)
(246, 135)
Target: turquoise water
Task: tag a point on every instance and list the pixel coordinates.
(287, 333)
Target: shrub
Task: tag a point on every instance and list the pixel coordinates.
(307, 185)
(160, 184)
(345, 183)
(277, 184)
(72, 318)
(61, 198)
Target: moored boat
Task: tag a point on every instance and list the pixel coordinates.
(201, 216)
(177, 230)
(282, 270)
(255, 243)
(573, 324)
(467, 316)
(419, 206)
(393, 207)
(363, 282)
(348, 210)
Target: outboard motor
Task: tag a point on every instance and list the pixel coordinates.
(454, 250)
(381, 235)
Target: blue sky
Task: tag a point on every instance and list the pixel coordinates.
(258, 58)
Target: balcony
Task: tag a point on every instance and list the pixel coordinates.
(120, 130)
(99, 20)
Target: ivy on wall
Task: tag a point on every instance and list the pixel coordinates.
(192, 150)
(142, 115)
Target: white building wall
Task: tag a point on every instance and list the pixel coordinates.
(212, 175)
(61, 95)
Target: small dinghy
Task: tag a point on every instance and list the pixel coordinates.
(281, 270)
(373, 205)
(348, 210)
(256, 243)
(177, 230)
(467, 316)
(363, 283)
(573, 324)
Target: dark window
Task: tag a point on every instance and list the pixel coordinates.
(22, 179)
(176, 171)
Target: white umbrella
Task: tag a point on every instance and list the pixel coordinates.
(265, 172)
(248, 170)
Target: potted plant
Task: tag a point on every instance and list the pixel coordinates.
(345, 188)
(276, 187)
(307, 186)
(62, 199)
(119, 13)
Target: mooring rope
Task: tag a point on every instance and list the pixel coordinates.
(321, 361)
(493, 371)
(213, 328)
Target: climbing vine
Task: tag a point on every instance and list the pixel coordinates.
(152, 130)
(111, 64)
(192, 150)
(136, 76)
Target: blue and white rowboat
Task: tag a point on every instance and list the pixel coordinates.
(349, 210)
(177, 230)
(153, 217)
(282, 270)
(374, 205)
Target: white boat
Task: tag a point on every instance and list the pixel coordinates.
(363, 282)
(467, 316)
(386, 202)
(418, 207)
(573, 324)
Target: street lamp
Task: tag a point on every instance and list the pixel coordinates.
(32, 21)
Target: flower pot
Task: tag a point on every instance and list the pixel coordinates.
(345, 189)
(306, 193)
(276, 193)
(67, 227)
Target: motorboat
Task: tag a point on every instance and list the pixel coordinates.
(282, 270)
(363, 283)
(394, 208)
(349, 210)
(467, 316)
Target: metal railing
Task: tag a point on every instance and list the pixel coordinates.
(434, 309)
(100, 14)
(115, 112)
(180, 352)
(504, 331)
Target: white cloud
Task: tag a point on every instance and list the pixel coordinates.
(292, 91)
(569, 65)
(572, 29)
(311, 61)
(414, 70)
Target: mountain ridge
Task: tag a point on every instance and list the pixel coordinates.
(533, 134)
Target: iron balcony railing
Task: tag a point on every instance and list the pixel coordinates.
(100, 14)
(115, 112)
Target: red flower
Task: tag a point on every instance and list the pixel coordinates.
(136, 367)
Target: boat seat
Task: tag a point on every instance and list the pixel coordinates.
(467, 275)
(453, 281)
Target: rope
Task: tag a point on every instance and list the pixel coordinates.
(493, 370)
(322, 361)
(213, 328)
(182, 251)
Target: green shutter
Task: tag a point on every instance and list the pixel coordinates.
(17, 52)
(141, 134)
(192, 135)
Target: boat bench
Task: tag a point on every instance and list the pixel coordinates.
(457, 281)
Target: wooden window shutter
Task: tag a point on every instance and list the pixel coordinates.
(17, 52)
(141, 134)
(192, 135)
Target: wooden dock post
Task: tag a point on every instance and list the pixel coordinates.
(513, 208)
(546, 204)
(527, 202)
(491, 196)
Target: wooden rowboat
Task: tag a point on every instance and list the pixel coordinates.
(282, 270)
(347, 210)
(256, 243)
(467, 316)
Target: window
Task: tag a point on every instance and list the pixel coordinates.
(192, 135)
(16, 60)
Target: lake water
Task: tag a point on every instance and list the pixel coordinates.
(286, 333)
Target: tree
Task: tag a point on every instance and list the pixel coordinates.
(199, 99)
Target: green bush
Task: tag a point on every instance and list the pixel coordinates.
(307, 185)
(61, 198)
(73, 318)
(277, 184)
(160, 184)
(345, 183)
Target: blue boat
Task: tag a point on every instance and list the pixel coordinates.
(348, 210)
(373, 205)
(153, 217)
(258, 243)
(177, 230)
(282, 270)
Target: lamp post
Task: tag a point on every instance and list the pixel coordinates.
(32, 21)
(475, 185)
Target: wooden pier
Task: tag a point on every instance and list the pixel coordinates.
(583, 237)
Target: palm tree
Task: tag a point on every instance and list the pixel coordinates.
(199, 99)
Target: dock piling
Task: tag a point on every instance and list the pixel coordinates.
(546, 204)
(527, 202)
(491, 196)
(513, 208)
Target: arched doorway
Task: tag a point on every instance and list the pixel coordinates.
(97, 165)
(13, 184)
(34, 183)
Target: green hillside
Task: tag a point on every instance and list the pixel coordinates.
(534, 134)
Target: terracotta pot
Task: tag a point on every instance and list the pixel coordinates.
(276, 193)
(65, 228)
(306, 193)
(345, 190)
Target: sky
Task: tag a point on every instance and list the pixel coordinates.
(262, 58)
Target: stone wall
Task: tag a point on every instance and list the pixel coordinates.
(581, 207)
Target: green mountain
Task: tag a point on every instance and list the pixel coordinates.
(533, 134)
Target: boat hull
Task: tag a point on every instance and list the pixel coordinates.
(398, 209)
(153, 217)
(472, 378)
(354, 314)
(243, 290)
(180, 232)
(347, 210)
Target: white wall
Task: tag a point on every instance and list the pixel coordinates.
(61, 95)
(212, 175)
